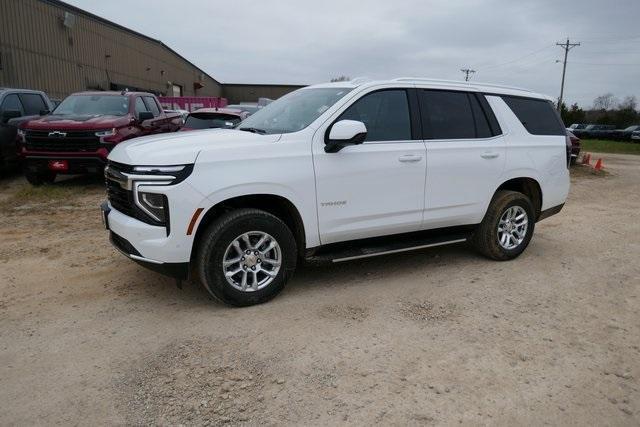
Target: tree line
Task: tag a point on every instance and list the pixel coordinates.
(606, 110)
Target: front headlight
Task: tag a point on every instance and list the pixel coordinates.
(108, 132)
(21, 135)
(154, 204)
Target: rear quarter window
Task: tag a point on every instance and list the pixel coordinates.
(536, 115)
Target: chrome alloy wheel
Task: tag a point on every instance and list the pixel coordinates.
(512, 227)
(252, 261)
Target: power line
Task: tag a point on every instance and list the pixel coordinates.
(516, 59)
(467, 72)
(567, 47)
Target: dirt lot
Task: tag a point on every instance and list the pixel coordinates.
(430, 337)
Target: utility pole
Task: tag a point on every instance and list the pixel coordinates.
(467, 72)
(567, 46)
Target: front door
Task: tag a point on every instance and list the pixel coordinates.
(377, 187)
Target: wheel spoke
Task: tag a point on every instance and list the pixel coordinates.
(245, 237)
(273, 262)
(232, 261)
(260, 242)
(243, 284)
(233, 272)
(254, 283)
(269, 247)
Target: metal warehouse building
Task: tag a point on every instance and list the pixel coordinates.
(55, 47)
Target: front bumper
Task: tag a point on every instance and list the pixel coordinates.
(179, 270)
(76, 164)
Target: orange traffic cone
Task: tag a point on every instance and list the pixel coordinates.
(599, 166)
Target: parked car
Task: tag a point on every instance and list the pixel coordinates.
(210, 118)
(79, 134)
(635, 136)
(625, 134)
(248, 108)
(17, 106)
(338, 172)
(576, 126)
(594, 131)
(183, 114)
(575, 147)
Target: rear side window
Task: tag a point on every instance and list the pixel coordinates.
(11, 102)
(33, 103)
(483, 130)
(385, 114)
(447, 115)
(536, 115)
(151, 104)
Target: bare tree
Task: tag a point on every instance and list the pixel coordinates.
(629, 103)
(605, 102)
(341, 78)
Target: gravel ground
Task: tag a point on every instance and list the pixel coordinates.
(438, 336)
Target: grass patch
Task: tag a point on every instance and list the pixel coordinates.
(30, 195)
(617, 147)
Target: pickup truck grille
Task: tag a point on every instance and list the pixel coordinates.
(65, 141)
(120, 198)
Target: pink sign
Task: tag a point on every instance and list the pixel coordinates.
(191, 103)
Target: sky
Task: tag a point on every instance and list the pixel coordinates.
(510, 42)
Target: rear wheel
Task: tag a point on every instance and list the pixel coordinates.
(507, 227)
(39, 178)
(246, 257)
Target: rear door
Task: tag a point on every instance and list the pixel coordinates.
(465, 156)
(377, 187)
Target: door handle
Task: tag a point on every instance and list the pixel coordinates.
(489, 155)
(410, 158)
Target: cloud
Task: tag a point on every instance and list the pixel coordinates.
(510, 42)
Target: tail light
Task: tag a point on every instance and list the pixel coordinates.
(569, 146)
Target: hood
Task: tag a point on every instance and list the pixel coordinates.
(183, 147)
(77, 122)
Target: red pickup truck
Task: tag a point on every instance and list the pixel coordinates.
(79, 134)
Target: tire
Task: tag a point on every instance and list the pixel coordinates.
(486, 238)
(39, 178)
(217, 245)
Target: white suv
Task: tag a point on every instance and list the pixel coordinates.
(336, 172)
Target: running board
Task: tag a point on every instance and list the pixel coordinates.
(366, 248)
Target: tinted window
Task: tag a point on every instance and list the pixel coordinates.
(211, 120)
(536, 115)
(33, 103)
(447, 115)
(140, 106)
(384, 113)
(483, 130)
(152, 106)
(11, 102)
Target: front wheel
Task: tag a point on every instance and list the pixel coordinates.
(507, 227)
(246, 257)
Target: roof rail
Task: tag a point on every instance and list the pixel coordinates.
(359, 80)
(458, 82)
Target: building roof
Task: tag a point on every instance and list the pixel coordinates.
(78, 11)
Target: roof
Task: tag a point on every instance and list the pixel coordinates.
(13, 89)
(440, 84)
(112, 93)
(229, 111)
(77, 10)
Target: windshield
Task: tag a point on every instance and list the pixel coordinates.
(632, 128)
(294, 111)
(211, 120)
(114, 105)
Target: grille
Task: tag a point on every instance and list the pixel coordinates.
(72, 141)
(120, 199)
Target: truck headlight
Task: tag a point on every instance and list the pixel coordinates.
(108, 132)
(154, 204)
(21, 134)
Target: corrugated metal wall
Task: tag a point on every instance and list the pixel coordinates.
(38, 52)
(250, 93)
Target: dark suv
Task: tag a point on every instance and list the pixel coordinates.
(17, 106)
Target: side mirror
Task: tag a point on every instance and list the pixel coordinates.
(345, 133)
(10, 114)
(145, 115)
(44, 112)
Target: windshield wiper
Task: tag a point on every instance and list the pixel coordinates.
(254, 130)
